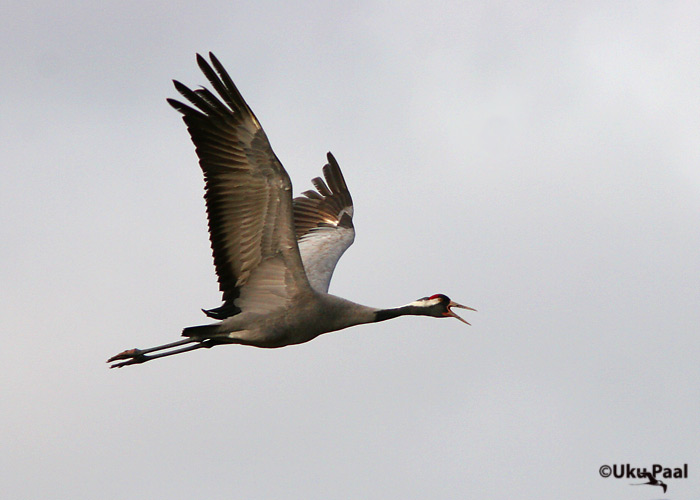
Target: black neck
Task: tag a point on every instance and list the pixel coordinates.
(385, 314)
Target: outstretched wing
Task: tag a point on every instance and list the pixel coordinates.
(248, 197)
(323, 221)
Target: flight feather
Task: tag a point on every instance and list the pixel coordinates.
(248, 194)
(323, 222)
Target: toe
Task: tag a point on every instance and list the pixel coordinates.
(128, 354)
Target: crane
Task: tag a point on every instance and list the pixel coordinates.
(274, 256)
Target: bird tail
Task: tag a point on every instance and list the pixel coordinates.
(201, 332)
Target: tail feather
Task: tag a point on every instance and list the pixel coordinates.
(201, 332)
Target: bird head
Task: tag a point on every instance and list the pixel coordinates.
(440, 306)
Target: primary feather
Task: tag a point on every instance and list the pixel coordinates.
(248, 197)
(323, 222)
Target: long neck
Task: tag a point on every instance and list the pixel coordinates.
(341, 313)
(385, 314)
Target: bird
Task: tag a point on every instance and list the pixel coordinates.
(652, 481)
(274, 255)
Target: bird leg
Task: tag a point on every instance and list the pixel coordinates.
(136, 356)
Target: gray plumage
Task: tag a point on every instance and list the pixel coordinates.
(274, 256)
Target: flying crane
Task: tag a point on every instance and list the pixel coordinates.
(274, 255)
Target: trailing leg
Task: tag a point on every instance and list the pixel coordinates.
(136, 356)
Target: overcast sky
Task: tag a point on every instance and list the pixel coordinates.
(537, 161)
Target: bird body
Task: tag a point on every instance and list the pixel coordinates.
(274, 255)
(305, 318)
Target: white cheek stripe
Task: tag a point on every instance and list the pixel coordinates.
(425, 303)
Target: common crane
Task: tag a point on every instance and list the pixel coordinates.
(274, 255)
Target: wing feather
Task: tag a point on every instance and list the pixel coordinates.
(323, 222)
(247, 193)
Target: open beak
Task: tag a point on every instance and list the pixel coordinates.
(450, 312)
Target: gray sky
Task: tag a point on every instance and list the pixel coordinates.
(537, 161)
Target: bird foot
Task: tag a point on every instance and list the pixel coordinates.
(132, 357)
